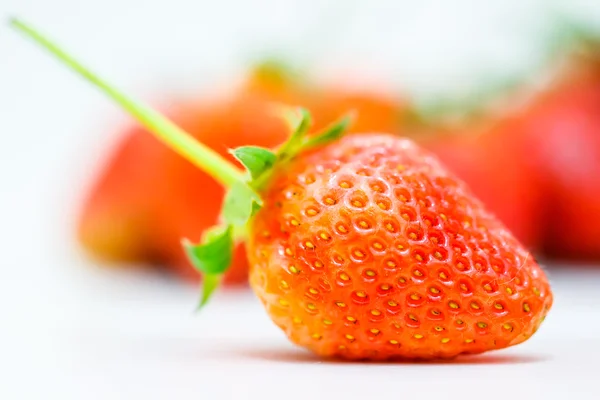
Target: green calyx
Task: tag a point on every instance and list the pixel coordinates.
(212, 256)
(243, 200)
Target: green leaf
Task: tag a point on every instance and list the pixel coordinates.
(240, 204)
(213, 255)
(210, 282)
(299, 120)
(256, 159)
(331, 133)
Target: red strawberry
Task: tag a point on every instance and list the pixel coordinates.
(561, 129)
(361, 247)
(369, 248)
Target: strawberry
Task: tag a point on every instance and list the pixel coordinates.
(363, 246)
(147, 197)
(369, 248)
(560, 127)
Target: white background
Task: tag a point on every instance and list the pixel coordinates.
(69, 329)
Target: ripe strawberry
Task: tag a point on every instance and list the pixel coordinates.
(560, 129)
(361, 247)
(369, 248)
(147, 197)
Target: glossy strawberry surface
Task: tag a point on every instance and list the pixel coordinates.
(370, 249)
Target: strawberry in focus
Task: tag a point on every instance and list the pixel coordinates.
(361, 246)
(369, 249)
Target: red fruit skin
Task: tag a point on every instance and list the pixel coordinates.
(370, 249)
(113, 227)
(561, 129)
(150, 198)
(492, 161)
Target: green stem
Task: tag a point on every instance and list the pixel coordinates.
(165, 130)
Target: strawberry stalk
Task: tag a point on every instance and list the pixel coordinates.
(213, 255)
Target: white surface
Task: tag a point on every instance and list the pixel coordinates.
(69, 330)
(134, 337)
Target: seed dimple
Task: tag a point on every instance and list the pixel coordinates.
(327, 322)
(311, 211)
(475, 306)
(316, 336)
(324, 236)
(288, 251)
(509, 290)
(374, 331)
(341, 228)
(377, 245)
(294, 222)
(284, 285)
(445, 340)
(358, 253)
(392, 303)
(370, 273)
(454, 305)
(482, 325)
(434, 290)
(337, 259)
(309, 244)
(438, 328)
(391, 264)
(330, 201)
(318, 264)
(345, 185)
(351, 319)
(293, 269)
(526, 307)
(364, 224)
(383, 205)
(417, 273)
(376, 313)
(498, 306)
(418, 336)
(384, 287)
(507, 327)
(350, 338)
(311, 306)
(344, 276)
(313, 291)
(340, 304)
(393, 342)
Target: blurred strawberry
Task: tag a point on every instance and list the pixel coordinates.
(148, 198)
(561, 128)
